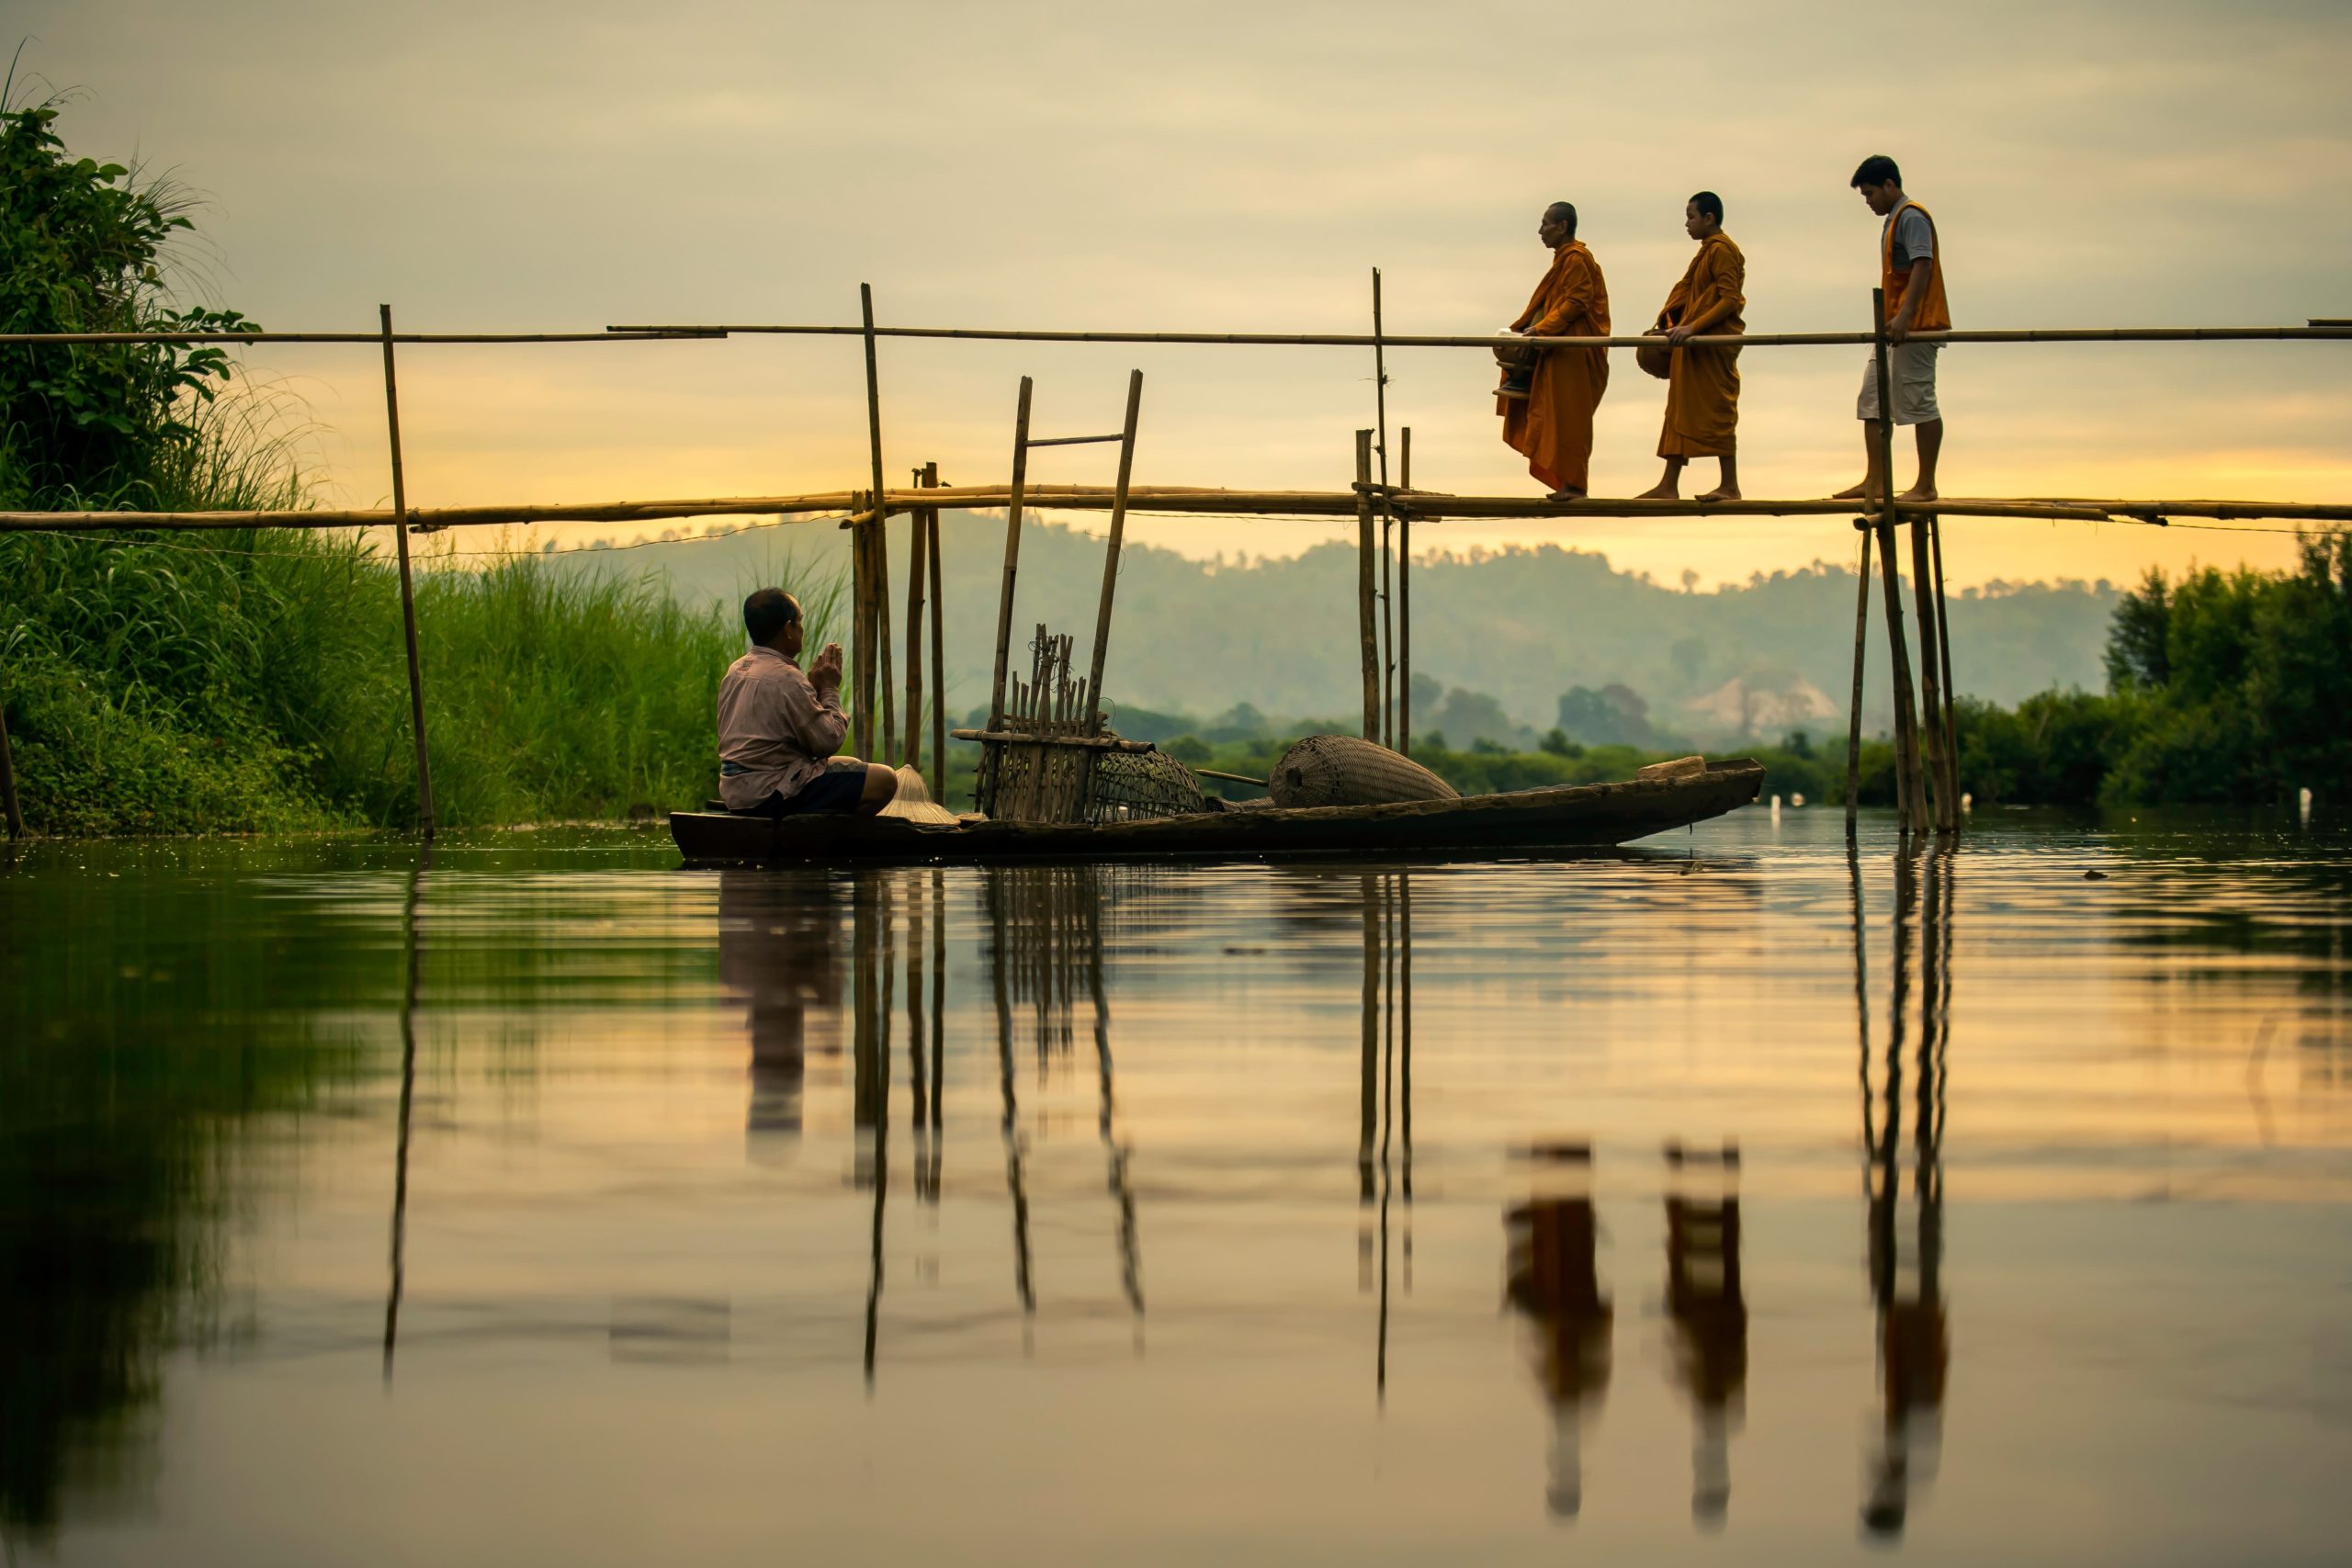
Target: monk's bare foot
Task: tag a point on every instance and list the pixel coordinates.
(1918, 492)
(1853, 492)
(1564, 493)
(1663, 492)
(1722, 493)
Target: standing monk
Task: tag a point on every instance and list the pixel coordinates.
(1548, 395)
(1911, 271)
(1702, 387)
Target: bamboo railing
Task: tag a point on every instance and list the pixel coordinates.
(1386, 637)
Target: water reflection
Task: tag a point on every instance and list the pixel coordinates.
(666, 1117)
(1553, 1279)
(1905, 1241)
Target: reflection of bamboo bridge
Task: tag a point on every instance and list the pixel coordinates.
(1925, 738)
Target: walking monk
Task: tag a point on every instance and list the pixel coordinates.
(1911, 270)
(1702, 386)
(1548, 395)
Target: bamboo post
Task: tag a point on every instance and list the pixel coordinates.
(1091, 719)
(1405, 603)
(408, 587)
(8, 780)
(992, 760)
(878, 632)
(1387, 515)
(1369, 641)
(930, 522)
(1923, 593)
(1943, 650)
(861, 661)
(1011, 556)
(916, 542)
(1912, 799)
(1854, 718)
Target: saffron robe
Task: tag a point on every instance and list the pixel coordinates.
(1702, 391)
(1552, 426)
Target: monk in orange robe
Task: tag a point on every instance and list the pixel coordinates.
(1548, 395)
(1702, 388)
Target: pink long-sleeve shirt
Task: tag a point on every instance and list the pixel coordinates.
(775, 729)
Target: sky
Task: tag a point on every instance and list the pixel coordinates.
(1229, 167)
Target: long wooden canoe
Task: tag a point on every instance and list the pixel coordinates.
(1570, 816)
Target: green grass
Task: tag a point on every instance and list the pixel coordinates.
(255, 681)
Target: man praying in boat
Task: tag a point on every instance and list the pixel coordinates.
(1702, 381)
(1911, 272)
(1548, 395)
(778, 727)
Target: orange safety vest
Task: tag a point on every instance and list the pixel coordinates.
(1933, 315)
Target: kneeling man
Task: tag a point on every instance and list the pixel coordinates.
(778, 728)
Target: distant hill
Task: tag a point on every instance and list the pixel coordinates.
(1524, 624)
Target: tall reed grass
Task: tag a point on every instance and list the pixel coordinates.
(254, 681)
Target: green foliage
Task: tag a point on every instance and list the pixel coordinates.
(82, 249)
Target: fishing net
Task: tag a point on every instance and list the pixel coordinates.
(1129, 786)
(1343, 770)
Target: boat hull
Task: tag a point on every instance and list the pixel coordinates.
(1570, 816)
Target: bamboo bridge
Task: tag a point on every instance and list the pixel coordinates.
(1927, 759)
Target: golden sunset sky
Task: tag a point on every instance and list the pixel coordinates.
(1243, 167)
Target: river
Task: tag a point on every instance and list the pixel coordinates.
(537, 1200)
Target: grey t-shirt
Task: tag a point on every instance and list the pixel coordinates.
(1914, 237)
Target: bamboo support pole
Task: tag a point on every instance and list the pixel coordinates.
(1508, 340)
(1943, 650)
(877, 638)
(1854, 709)
(408, 586)
(1911, 795)
(1404, 601)
(1946, 805)
(930, 520)
(861, 661)
(1388, 520)
(916, 543)
(8, 807)
(1369, 649)
(1092, 719)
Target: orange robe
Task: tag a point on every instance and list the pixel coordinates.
(1702, 393)
(1552, 426)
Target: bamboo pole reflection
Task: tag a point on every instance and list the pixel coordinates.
(414, 964)
(1905, 1261)
(875, 954)
(1000, 963)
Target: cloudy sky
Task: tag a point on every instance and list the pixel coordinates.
(1243, 167)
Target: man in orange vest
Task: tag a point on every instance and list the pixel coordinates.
(1911, 268)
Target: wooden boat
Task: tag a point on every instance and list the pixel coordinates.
(1568, 816)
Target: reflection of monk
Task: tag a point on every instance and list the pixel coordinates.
(779, 950)
(1554, 1281)
(1709, 1311)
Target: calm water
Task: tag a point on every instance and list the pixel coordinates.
(545, 1202)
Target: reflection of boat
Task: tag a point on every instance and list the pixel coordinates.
(1572, 816)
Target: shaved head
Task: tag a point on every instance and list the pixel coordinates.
(1561, 213)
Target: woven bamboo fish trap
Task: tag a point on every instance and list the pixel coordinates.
(1344, 770)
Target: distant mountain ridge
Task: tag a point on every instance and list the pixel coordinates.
(1525, 625)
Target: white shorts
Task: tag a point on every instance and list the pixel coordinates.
(1911, 367)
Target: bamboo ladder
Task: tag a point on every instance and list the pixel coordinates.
(1043, 736)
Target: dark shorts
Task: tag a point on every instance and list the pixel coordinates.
(836, 789)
